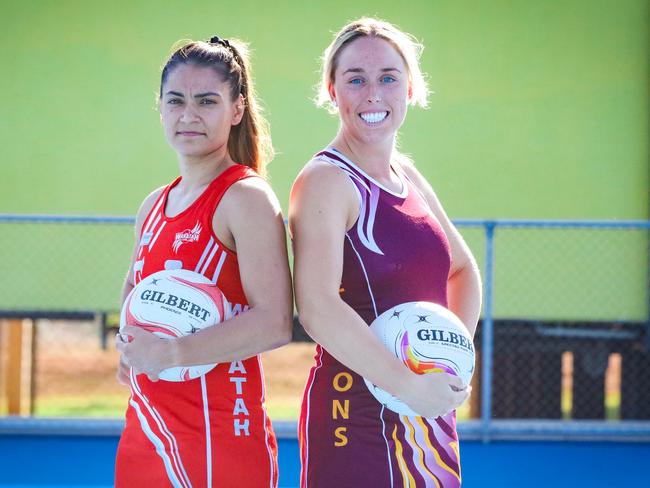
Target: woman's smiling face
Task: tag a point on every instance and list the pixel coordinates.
(371, 89)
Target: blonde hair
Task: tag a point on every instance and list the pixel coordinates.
(250, 140)
(405, 44)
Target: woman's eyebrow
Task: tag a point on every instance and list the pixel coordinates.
(198, 95)
(207, 94)
(361, 70)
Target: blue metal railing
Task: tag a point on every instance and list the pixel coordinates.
(488, 331)
(65, 219)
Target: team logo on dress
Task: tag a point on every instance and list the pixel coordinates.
(187, 236)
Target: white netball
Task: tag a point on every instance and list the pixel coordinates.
(175, 303)
(427, 338)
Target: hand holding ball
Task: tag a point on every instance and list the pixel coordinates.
(427, 338)
(175, 303)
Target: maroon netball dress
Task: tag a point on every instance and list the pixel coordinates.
(396, 252)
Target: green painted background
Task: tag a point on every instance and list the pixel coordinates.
(539, 111)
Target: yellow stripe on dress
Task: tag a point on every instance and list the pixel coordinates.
(440, 462)
(406, 474)
(454, 446)
(415, 445)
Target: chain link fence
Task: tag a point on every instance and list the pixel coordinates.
(566, 310)
(59, 293)
(563, 335)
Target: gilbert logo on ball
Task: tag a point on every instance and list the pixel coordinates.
(175, 303)
(428, 338)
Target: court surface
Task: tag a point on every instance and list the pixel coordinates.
(44, 458)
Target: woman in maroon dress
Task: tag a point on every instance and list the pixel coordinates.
(369, 234)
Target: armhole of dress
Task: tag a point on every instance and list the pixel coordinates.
(214, 202)
(158, 206)
(367, 203)
(165, 193)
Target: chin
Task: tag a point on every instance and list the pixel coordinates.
(376, 136)
(190, 149)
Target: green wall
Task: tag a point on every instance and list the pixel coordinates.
(539, 111)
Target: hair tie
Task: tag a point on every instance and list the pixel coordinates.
(218, 40)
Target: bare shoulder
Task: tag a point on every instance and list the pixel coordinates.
(319, 181)
(250, 195)
(150, 199)
(323, 191)
(247, 210)
(317, 173)
(146, 206)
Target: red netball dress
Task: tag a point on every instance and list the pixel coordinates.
(211, 431)
(396, 252)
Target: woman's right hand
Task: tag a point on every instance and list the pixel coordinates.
(433, 395)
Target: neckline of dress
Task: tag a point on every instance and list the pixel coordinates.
(401, 194)
(195, 202)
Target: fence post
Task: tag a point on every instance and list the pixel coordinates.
(18, 375)
(487, 333)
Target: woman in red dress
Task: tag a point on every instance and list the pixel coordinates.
(221, 219)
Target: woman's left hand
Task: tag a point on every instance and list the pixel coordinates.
(143, 351)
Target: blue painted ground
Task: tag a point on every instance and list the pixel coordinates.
(57, 461)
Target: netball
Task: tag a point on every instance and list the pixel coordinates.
(427, 338)
(175, 303)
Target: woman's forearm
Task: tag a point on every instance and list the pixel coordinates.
(464, 295)
(249, 333)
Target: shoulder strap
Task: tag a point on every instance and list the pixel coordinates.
(226, 179)
(361, 184)
(221, 184)
(367, 193)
